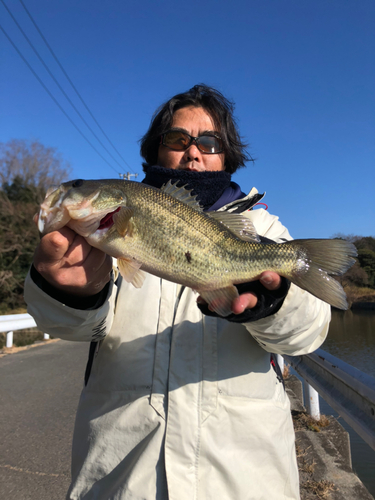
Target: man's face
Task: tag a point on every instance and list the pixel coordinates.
(194, 121)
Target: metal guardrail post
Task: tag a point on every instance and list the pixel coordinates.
(280, 362)
(311, 397)
(347, 390)
(9, 341)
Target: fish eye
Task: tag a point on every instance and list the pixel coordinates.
(77, 183)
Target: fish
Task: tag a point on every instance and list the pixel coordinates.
(165, 232)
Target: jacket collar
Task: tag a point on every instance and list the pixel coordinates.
(245, 203)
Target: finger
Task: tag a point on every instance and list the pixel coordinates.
(95, 270)
(103, 276)
(98, 265)
(84, 279)
(91, 267)
(244, 301)
(78, 251)
(270, 280)
(53, 246)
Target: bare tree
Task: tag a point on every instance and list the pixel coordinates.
(356, 276)
(37, 165)
(27, 169)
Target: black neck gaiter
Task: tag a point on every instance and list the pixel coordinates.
(208, 186)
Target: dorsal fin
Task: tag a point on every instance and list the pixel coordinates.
(181, 194)
(239, 225)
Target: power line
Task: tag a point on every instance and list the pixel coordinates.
(71, 83)
(54, 99)
(59, 86)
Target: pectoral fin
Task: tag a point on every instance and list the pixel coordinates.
(131, 272)
(220, 300)
(123, 222)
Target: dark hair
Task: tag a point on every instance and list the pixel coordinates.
(221, 111)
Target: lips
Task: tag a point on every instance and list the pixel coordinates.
(192, 166)
(107, 220)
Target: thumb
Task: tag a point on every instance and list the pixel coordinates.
(53, 246)
(270, 280)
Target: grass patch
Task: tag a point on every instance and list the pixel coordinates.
(286, 371)
(4, 310)
(302, 420)
(319, 488)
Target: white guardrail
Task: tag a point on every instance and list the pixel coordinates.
(347, 390)
(14, 322)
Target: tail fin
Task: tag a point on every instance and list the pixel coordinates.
(322, 259)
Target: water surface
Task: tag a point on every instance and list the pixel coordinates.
(351, 338)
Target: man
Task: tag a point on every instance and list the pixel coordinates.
(179, 403)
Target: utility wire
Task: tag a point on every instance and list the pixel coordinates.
(54, 99)
(59, 86)
(71, 83)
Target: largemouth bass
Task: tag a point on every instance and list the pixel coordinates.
(166, 233)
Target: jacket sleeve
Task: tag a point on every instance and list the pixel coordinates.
(67, 323)
(301, 324)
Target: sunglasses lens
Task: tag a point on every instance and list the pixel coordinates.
(210, 144)
(176, 140)
(179, 141)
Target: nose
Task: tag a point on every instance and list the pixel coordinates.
(192, 153)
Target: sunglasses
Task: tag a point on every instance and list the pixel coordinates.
(181, 141)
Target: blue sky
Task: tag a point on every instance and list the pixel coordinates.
(301, 73)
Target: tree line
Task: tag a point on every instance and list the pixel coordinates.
(27, 169)
(362, 273)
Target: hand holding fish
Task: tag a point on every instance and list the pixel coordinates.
(248, 300)
(270, 281)
(70, 264)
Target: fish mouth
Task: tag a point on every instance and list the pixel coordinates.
(53, 217)
(107, 221)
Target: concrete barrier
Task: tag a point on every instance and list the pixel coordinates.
(323, 454)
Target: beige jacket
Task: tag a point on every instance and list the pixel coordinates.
(182, 406)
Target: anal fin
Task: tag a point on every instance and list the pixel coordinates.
(220, 300)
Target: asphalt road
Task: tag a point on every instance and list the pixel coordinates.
(39, 393)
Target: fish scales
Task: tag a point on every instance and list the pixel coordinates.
(178, 230)
(166, 233)
(216, 257)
